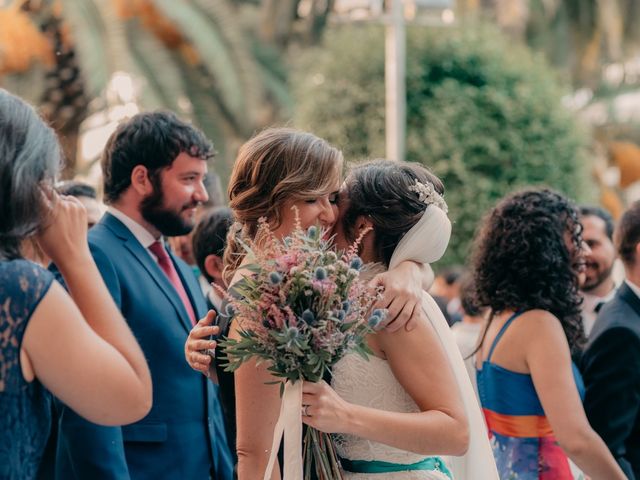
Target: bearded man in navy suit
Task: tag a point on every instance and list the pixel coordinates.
(153, 167)
(611, 362)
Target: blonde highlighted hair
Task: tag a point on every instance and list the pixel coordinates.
(275, 166)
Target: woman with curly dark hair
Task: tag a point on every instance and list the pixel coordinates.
(527, 266)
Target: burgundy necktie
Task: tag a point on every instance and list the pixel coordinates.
(167, 267)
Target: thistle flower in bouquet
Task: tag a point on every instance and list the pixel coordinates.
(303, 308)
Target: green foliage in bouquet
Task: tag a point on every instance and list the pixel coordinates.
(483, 113)
(302, 309)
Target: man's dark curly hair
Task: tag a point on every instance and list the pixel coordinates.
(521, 261)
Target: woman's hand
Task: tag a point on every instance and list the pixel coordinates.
(323, 409)
(65, 235)
(403, 290)
(199, 342)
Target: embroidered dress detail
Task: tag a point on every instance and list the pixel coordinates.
(25, 407)
(372, 383)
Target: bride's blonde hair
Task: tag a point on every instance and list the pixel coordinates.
(275, 166)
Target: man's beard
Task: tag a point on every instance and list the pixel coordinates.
(591, 283)
(168, 222)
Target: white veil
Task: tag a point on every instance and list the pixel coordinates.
(426, 242)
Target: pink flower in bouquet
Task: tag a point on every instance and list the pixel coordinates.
(302, 309)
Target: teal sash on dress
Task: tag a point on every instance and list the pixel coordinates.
(375, 466)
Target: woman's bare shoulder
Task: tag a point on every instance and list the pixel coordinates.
(537, 320)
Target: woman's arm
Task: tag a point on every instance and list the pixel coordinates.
(104, 381)
(257, 410)
(81, 349)
(549, 361)
(420, 364)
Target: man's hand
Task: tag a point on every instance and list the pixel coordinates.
(199, 343)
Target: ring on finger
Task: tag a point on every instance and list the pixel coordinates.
(305, 411)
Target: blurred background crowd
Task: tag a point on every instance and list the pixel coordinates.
(499, 93)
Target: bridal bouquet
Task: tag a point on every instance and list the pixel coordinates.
(302, 310)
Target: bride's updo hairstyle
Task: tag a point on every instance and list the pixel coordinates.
(394, 196)
(277, 165)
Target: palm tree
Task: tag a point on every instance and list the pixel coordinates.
(44, 70)
(194, 57)
(578, 36)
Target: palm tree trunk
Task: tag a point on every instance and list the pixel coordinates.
(69, 144)
(276, 23)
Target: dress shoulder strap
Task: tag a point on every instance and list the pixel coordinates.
(501, 333)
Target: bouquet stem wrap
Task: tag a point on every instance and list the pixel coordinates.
(289, 425)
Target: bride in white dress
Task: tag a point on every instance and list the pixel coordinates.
(403, 413)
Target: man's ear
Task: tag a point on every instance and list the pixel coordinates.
(140, 180)
(214, 266)
(637, 253)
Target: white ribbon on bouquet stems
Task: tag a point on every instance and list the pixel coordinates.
(289, 425)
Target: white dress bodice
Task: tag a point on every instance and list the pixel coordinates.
(371, 383)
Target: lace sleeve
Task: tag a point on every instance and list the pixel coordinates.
(23, 284)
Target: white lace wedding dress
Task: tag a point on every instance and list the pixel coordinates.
(372, 383)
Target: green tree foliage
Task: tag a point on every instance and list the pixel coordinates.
(483, 114)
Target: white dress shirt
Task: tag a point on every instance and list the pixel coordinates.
(634, 288)
(215, 298)
(590, 308)
(142, 234)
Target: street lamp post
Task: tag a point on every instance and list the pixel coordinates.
(395, 89)
(431, 13)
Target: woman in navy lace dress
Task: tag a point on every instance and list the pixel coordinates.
(76, 346)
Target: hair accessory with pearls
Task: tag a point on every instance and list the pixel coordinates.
(428, 195)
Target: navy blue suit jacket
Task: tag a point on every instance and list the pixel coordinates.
(611, 372)
(182, 437)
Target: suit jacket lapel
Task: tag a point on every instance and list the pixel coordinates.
(191, 286)
(132, 244)
(626, 294)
